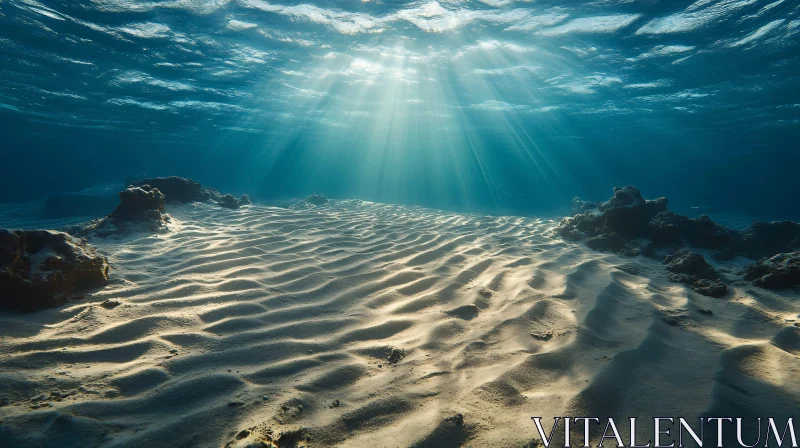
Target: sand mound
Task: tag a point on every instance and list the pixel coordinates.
(377, 325)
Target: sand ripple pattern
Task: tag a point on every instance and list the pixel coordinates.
(266, 316)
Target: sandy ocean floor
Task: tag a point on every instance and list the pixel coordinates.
(266, 318)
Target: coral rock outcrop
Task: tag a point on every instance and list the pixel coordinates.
(175, 189)
(42, 268)
(691, 269)
(776, 272)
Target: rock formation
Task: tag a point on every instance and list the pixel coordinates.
(138, 204)
(228, 201)
(764, 239)
(178, 190)
(140, 209)
(631, 217)
(316, 199)
(776, 272)
(691, 269)
(42, 268)
(626, 215)
(628, 224)
(209, 194)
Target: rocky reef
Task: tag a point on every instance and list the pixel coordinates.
(614, 223)
(691, 269)
(228, 201)
(776, 272)
(42, 268)
(176, 190)
(630, 225)
(140, 209)
(316, 199)
(141, 206)
(180, 190)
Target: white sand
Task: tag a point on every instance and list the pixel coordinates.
(303, 306)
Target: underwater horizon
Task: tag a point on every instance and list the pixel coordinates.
(494, 106)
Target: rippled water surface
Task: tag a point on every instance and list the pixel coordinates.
(482, 103)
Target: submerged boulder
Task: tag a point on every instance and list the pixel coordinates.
(764, 239)
(316, 199)
(626, 214)
(630, 217)
(143, 203)
(691, 269)
(628, 224)
(41, 268)
(224, 200)
(209, 194)
(607, 242)
(180, 190)
(176, 189)
(671, 229)
(140, 209)
(776, 272)
(228, 201)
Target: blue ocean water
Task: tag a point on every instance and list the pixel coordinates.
(502, 106)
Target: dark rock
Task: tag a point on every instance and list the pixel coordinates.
(316, 199)
(228, 201)
(703, 232)
(209, 194)
(626, 214)
(41, 268)
(665, 229)
(765, 239)
(245, 200)
(691, 263)
(71, 204)
(607, 242)
(175, 189)
(648, 250)
(140, 209)
(139, 204)
(691, 269)
(710, 288)
(395, 356)
(671, 229)
(630, 216)
(776, 272)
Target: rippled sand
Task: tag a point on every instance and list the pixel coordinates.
(263, 317)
